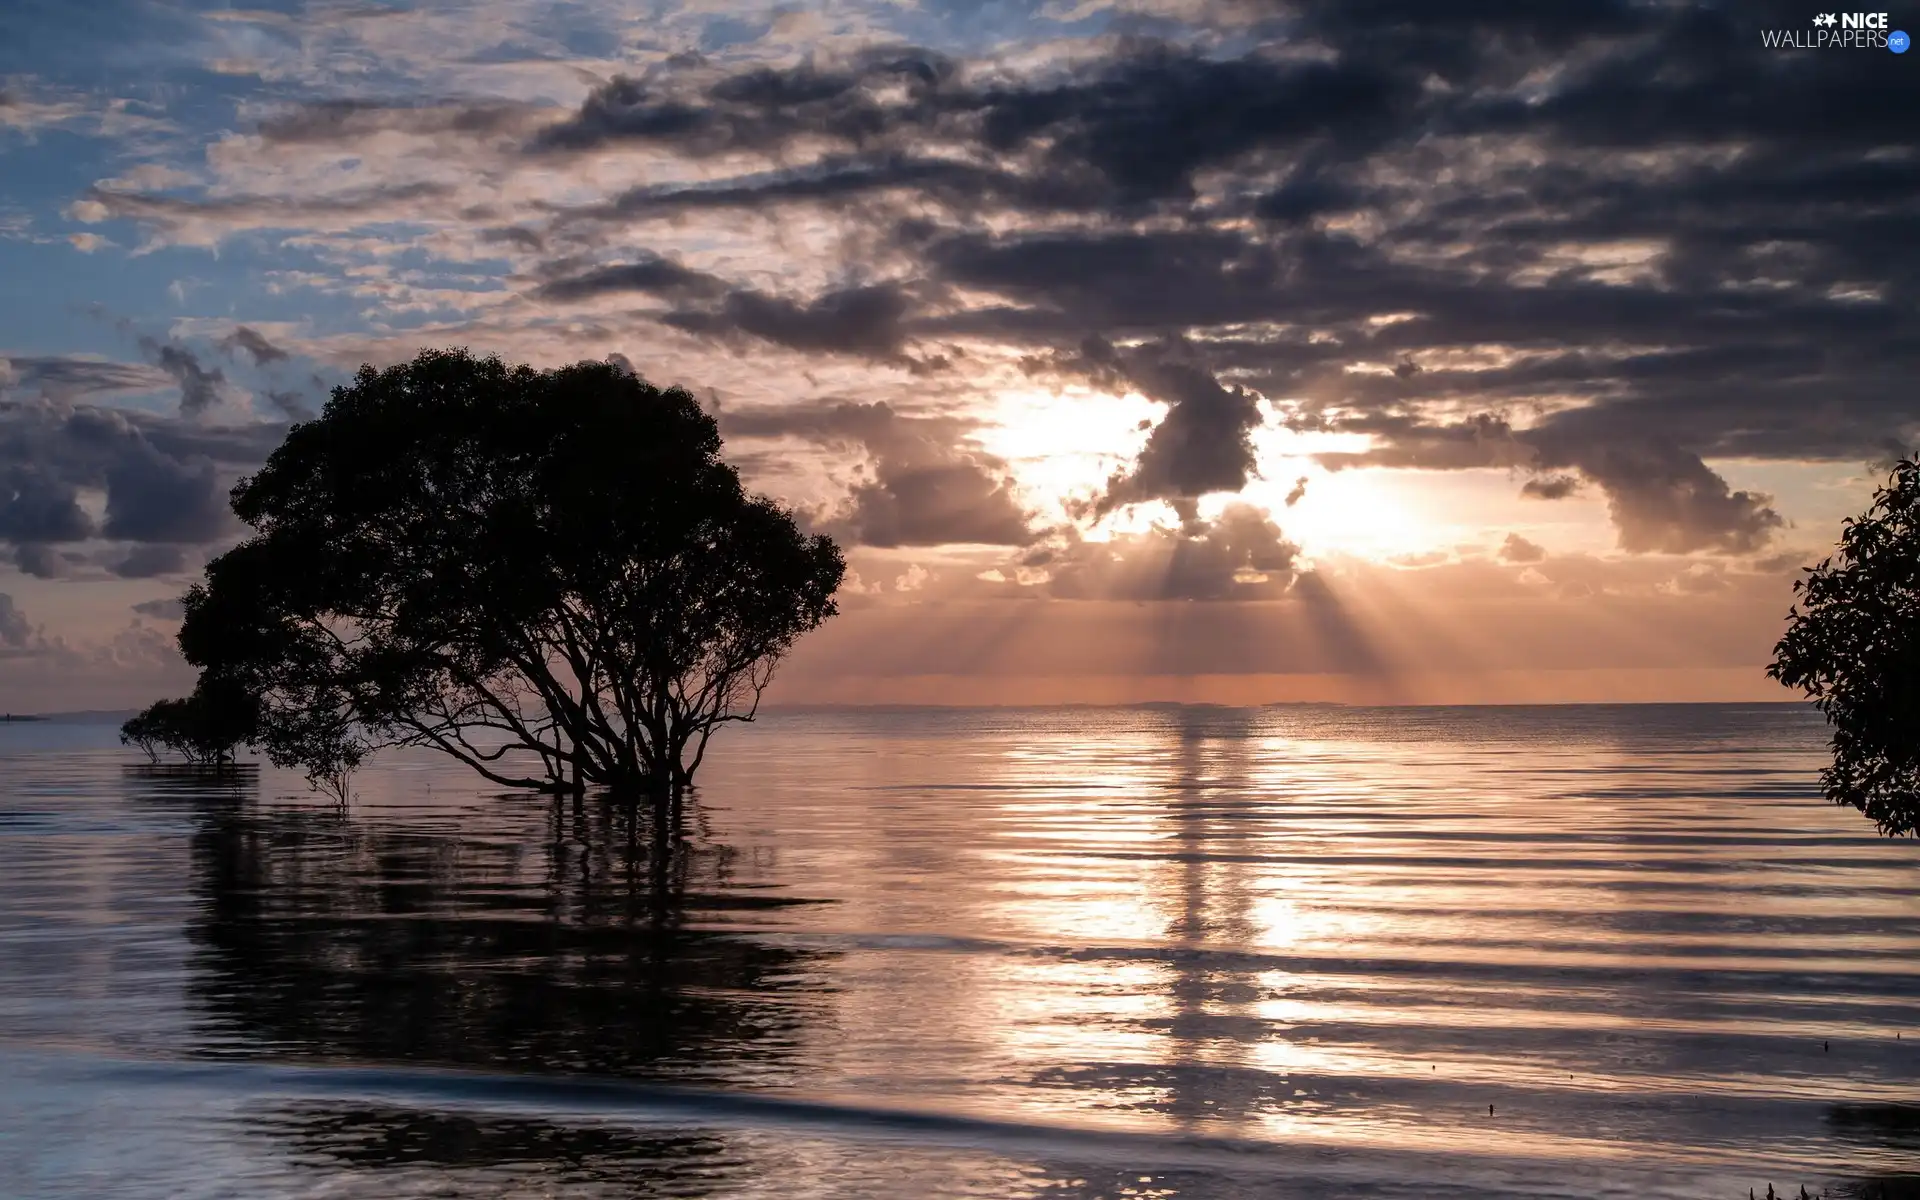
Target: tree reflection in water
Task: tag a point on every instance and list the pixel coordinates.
(1890, 1131)
(636, 1161)
(540, 937)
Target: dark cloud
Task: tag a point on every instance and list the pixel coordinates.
(690, 108)
(145, 562)
(1662, 497)
(268, 211)
(654, 275)
(935, 503)
(1517, 549)
(43, 561)
(200, 386)
(255, 345)
(1138, 126)
(39, 560)
(836, 180)
(1712, 83)
(154, 498)
(514, 235)
(291, 405)
(1665, 499)
(868, 321)
(165, 478)
(1550, 487)
(925, 485)
(1481, 440)
(73, 378)
(15, 631)
(233, 448)
(37, 506)
(330, 121)
(167, 609)
(626, 110)
(1305, 196)
(1128, 282)
(1205, 442)
(1148, 122)
(1297, 492)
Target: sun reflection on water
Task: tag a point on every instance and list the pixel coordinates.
(1641, 941)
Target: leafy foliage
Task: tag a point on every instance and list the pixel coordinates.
(205, 728)
(1853, 645)
(149, 729)
(549, 575)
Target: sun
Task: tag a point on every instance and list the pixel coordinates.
(1358, 513)
(1065, 445)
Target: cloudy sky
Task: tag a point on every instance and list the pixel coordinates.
(1226, 350)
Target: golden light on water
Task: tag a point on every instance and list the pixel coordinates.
(1329, 935)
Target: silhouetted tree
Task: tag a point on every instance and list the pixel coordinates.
(149, 729)
(1853, 645)
(551, 576)
(205, 728)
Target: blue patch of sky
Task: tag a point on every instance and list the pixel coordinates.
(46, 284)
(328, 307)
(89, 42)
(581, 30)
(513, 50)
(725, 32)
(50, 291)
(970, 27)
(48, 294)
(555, 33)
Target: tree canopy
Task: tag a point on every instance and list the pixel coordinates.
(1853, 646)
(550, 575)
(204, 728)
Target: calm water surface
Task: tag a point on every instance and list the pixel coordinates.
(1080, 953)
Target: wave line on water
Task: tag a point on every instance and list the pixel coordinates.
(599, 1099)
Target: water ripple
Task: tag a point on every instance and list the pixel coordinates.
(1206, 953)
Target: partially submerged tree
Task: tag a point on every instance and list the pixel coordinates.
(1853, 646)
(551, 576)
(149, 730)
(205, 728)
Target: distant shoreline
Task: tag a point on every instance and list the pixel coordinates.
(115, 716)
(91, 716)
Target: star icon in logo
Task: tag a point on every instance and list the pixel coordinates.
(1824, 19)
